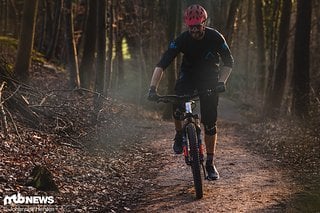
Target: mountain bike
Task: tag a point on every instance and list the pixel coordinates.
(192, 144)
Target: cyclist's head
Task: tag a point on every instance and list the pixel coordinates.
(195, 17)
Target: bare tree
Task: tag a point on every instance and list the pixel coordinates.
(118, 74)
(110, 21)
(231, 19)
(22, 64)
(101, 53)
(86, 66)
(172, 31)
(71, 46)
(301, 72)
(261, 63)
(278, 84)
(56, 29)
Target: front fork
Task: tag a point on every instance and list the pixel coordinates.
(185, 144)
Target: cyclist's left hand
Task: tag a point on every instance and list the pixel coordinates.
(221, 87)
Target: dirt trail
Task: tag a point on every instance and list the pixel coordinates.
(248, 183)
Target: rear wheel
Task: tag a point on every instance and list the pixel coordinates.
(195, 159)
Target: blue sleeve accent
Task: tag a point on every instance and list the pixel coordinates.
(172, 45)
(224, 46)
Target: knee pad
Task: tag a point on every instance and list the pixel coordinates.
(210, 129)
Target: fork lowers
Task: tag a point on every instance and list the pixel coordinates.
(186, 150)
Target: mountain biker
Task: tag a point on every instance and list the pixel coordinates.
(201, 69)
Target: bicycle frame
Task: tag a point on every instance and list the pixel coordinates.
(189, 117)
(192, 143)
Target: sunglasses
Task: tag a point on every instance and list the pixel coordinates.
(196, 28)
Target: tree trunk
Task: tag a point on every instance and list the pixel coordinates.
(41, 32)
(56, 29)
(101, 46)
(71, 46)
(118, 62)
(110, 47)
(231, 19)
(171, 34)
(261, 62)
(277, 91)
(8, 18)
(86, 67)
(48, 24)
(272, 10)
(248, 55)
(301, 78)
(4, 16)
(23, 61)
(118, 77)
(101, 54)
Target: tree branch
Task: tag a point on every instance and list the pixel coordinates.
(14, 124)
(4, 123)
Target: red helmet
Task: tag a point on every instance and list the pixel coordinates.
(195, 14)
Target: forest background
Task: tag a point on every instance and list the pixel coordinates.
(110, 48)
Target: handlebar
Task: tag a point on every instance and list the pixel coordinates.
(183, 98)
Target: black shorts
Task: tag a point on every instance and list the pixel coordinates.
(208, 104)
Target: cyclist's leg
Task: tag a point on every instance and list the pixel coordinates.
(177, 114)
(211, 144)
(208, 107)
(183, 86)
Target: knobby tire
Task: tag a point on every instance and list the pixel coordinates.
(195, 159)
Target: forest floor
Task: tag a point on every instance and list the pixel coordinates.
(123, 161)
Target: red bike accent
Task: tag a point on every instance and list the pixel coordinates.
(185, 151)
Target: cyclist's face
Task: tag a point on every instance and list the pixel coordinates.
(197, 31)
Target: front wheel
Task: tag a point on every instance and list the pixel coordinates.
(195, 159)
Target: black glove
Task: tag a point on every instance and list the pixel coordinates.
(221, 87)
(152, 96)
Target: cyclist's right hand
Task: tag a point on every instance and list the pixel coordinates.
(221, 87)
(152, 95)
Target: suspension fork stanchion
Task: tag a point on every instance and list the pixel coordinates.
(185, 145)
